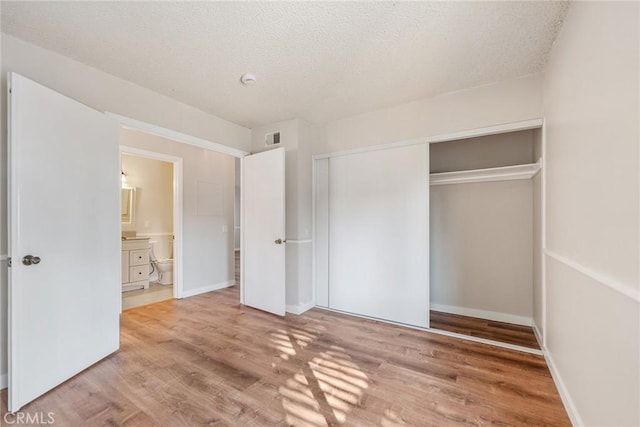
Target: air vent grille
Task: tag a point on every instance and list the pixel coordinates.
(272, 139)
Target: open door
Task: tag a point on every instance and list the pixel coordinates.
(263, 231)
(64, 222)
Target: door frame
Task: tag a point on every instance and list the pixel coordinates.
(182, 138)
(177, 208)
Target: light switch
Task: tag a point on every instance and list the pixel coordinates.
(225, 229)
(147, 223)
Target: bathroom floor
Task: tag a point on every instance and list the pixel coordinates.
(155, 293)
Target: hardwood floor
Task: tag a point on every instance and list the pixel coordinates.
(206, 360)
(482, 328)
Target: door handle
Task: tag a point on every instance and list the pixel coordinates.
(30, 260)
(280, 241)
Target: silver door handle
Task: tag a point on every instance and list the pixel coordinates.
(280, 241)
(30, 260)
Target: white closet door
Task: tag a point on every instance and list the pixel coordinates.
(379, 234)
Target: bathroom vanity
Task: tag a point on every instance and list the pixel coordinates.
(135, 263)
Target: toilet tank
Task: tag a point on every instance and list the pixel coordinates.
(163, 246)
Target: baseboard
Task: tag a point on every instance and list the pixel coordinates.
(300, 308)
(4, 380)
(208, 288)
(538, 334)
(569, 406)
(483, 314)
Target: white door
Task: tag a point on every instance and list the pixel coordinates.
(64, 213)
(263, 231)
(378, 232)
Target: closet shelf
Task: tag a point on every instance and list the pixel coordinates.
(506, 173)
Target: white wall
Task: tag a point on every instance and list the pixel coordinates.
(503, 102)
(295, 137)
(153, 205)
(592, 110)
(208, 241)
(105, 93)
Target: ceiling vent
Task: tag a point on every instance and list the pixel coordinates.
(272, 139)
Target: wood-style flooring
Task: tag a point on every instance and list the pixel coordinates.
(208, 361)
(482, 328)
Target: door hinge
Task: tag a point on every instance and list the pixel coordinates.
(9, 262)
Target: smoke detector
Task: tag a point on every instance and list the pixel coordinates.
(247, 79)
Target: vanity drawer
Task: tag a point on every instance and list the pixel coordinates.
(140, 272)
(139, 257)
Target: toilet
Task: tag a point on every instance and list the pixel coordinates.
(163, 273)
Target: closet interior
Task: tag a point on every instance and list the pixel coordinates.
(485, 236)
(439, 235)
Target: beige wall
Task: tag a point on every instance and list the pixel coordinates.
(481, 249)
(592, 110)
(153, 183)
(506, 149)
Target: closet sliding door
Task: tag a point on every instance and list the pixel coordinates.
(378, 234)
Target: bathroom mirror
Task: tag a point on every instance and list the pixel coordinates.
(127, 197)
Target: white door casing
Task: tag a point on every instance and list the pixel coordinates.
(64, 207)
(263, 223)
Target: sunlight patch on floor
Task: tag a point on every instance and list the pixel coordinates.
(328, 384)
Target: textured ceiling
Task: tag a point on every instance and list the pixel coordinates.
(314, 60)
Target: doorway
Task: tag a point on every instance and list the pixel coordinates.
(486, 236)
(151, 221)
(147, 202)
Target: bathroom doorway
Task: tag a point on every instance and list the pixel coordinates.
(150, 227)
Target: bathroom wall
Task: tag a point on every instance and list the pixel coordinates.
(208, 210)
(153, 205)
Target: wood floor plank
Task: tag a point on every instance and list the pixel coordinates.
(207, 360)
(483, 328)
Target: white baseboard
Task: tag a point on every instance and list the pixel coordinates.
(4, 380)
(483, 314)
(300, 308)
(537, 333)
(208, 288)
(569, 406)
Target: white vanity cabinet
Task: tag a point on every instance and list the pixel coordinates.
(135, 264)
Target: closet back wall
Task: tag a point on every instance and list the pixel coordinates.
(481, 233)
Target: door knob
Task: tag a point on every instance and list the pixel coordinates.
(30, 260)
(280, 241)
